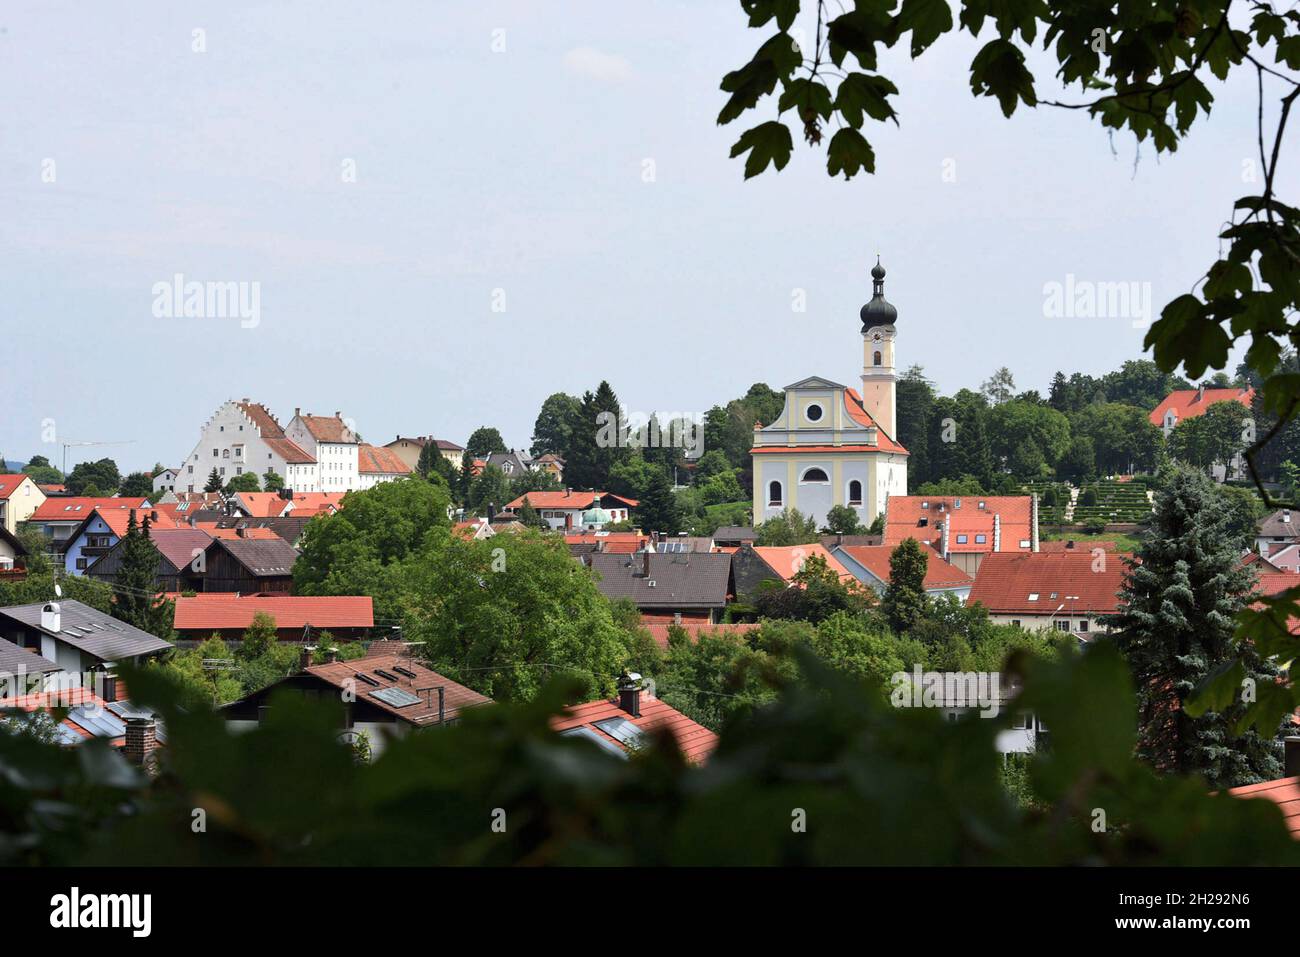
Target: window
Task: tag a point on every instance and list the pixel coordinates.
(855, 492)
(875, 360)
(1022, 721)
(814, 475)
(813, 412)
(773, 493)
(215, 453)
(225, 453)
(981, 539)
(1016, 622)
(191, 468)
(961, 539)
(1083, 625)
(1033, 596)
(1063, 625)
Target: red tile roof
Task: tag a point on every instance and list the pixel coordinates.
(263, 504)
(74, 508)
(659, 629)
(1186, 405)
(9, 483)
(571, 500)
(696, 741)
(857, 411)
(788, 560)
(373, 458)
(1284, 792)
(938, 573)
(263, 419)
(328, 428)
(214, 614)
(265, 534)
(904, 514)
(288, 450)
(456, 697)
(1006, 581)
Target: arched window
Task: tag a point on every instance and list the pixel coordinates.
(773, 493)
(814, 475)
(855, 492)
(876, 358)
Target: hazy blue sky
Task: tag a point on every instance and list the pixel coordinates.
(522, 171)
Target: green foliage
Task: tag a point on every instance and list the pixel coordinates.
(490, 487)
(596, 441)
(905, 599)
(103, 475)
(244, 482)
(814, 594)
(214, 481)
(842, 520)
(553, 430)
(791, 527)
(272, 481)
(657, 509)
(482, 442)
(136, 485)
(1214, 436)
(259, 637)
(135, 585)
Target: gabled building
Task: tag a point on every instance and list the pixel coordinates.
(346, 617)
(409, 449)
(23, 669)
(831, 445)
(512, 464)
(334, 446)
(165, 481)
(376, 464)
(1069, 591)
(869, 564)
(550, 463)
(180, 559)
(570, 509)
(12, 552)
(965, 529)
(383, 697)
(80, 639)
(101, 530)
(60, 516)
(19, 498)
(1183, 404)
(1277, 531)
(249, 567)
(243, 436)
(690, 585)
(752, 565)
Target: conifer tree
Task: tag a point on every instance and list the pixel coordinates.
(905, 599)
(135, 585)
(1177, 625)
(214, 481)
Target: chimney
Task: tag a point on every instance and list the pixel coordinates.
(141, 738)
(1200, 393)
(50, 616)
(153, 516)
(1292, 759)
(331, 655)
(240, 531)
(677, 618)
(629, 693)
(304, 659)
(297, 411)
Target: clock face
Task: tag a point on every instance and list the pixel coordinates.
(876, 337)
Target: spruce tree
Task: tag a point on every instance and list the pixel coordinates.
(214, 481)
(135, 585)
(905, 600)
(1179, 599)
(597, 442)
(657, 509)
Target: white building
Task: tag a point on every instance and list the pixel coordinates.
(332, 445)
(165, 481)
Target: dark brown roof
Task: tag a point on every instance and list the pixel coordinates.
(90, 630)
(683, 580)
(328, 428)
(456, 697)
(262, 557)
(177, 546)
(263, 419)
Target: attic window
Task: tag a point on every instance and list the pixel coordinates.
(981, 539)
(925, 505)
(961, 539)
(1033, 596)
(1024, 543)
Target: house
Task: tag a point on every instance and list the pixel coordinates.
(630, 720)
(831, 445)
(58, 517)
(964, 530)
(383, 696)
(1286, 558)
(11, 551)
(377, 464)
(333, 444)
(284, 503)
(614, 543)
(19, 498)
(1276, 531)
(180, 559)
(570, 509)
(243, 436)
(973, 695)
(550, 463)
(79, 639)
(1183, 404)
(474, 531)
(752, 565)
(345, 617)
(100, 531)
(869, 564)
(23, 669)
(513, 463)
(1068, 590)
(248, 566)
(409, 449)
(126, 727)
(165, 481)
(691, 585)
(1284, 792)
(733, 536)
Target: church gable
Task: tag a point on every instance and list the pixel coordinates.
(816, 412)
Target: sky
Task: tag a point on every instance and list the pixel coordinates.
(450, 211)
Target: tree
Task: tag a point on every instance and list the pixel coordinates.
(103, 474)
(842, 520)
(1015, 423)
(1213, 437)
(657, 508)
(259, 637)
(41, 471)
(814, 593)
(272, 481)
(490, 487)
(135, 589)
(791, 527)
(243, 482)
(999, 387)
(1080, 461)
(553, 430)
(915, 404)
(905, 599)
(597, 440)
(1123, 438)
(136, 485)
(530, 518)
(214, 481)
(1176, 629)
(483, 442)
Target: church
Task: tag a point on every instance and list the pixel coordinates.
(832, 445)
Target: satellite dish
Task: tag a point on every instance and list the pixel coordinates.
(58, 590)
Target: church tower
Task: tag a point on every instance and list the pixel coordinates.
(879, 375)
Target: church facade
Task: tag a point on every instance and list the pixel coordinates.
(831, 444)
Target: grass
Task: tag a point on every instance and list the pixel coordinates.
(1125, 543)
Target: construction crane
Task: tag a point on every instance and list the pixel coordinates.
(74, 444)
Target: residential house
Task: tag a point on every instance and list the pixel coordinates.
(244, 437)
(383, 697)
(1286, 558)
(569, 509)
(1068, 590)
(409, 449)
(377, 464)
(1277, 531)
(1183, 404)
(19, 498)
(513, 463)
(23, 669)
(333, 444)
(80, 639)
(619, 543)
(964, 530)
(100, 531)
(476, 530)
(180, 559)
(58, 518)
(869, 564)
(733, 536)
(630, 720)
(550, 463)
(960, 695)
(681, 542)
(284, 503)
(11, 552)
(752, 565)
(297, 617)
(126, 727)
(165, 481)
(248, 566)
(664, 587)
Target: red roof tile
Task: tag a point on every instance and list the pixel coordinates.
(1006, 581)
(659, 629)
(372, 458)
(9, 483)
(1186, 405)
(788, 560)
(857, 411)
(288, 450)
(904, 515)
(696, 741)
(1284, 792)
(571, 500)
(263, 419)
(328, 611)
(328, 428)
(938, 573)
(73, 508)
